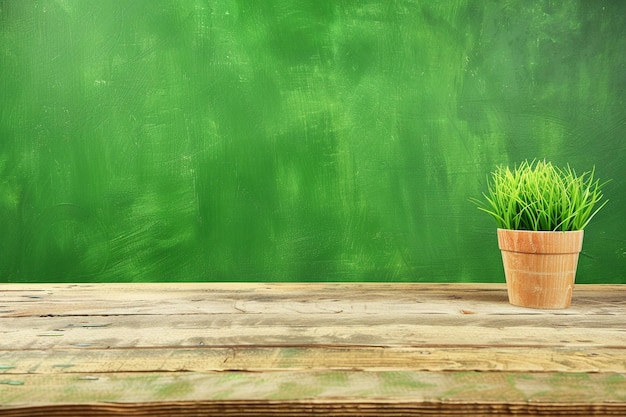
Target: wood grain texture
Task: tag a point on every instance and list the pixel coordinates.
(320, 393)
(307, 349)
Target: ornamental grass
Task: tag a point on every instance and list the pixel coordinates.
(541, 197)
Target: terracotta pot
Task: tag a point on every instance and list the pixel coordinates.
(540, 267)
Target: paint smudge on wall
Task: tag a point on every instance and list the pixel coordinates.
(237, 140)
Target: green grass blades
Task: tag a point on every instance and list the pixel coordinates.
(539, 196)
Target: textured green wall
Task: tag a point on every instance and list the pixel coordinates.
(261, 140)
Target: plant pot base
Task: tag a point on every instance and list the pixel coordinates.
(538, 288)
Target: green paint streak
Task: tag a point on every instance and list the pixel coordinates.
(402, 381)
(176, 389)
(333, 379)
(63, 366)
(294, 390)
(229, 384)
(295, 141)
(16, 383)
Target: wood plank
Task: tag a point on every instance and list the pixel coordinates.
(308, 329)
(408, 328)
(265, 358)
(300, 349)
(201, 298)
(161, 315)
(375, 408)
(320, 393)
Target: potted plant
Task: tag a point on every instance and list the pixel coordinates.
(541, 211)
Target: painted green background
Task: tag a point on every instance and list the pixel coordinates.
(318, 140)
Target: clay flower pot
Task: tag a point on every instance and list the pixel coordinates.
(540, 266)
(541, 212)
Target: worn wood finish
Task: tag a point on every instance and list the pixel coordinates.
(307, 349)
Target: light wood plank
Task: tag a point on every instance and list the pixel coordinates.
(308, 329)
(326, 393)
(201, 298)
(263, 358)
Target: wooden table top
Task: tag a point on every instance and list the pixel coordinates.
(307, 349)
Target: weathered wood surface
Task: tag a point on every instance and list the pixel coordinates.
(306, 349)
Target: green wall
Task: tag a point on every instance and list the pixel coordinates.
(307, 140)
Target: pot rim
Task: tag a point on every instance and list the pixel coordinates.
(540, 242)
(540, 231)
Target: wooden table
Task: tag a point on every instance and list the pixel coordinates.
(307, 349)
